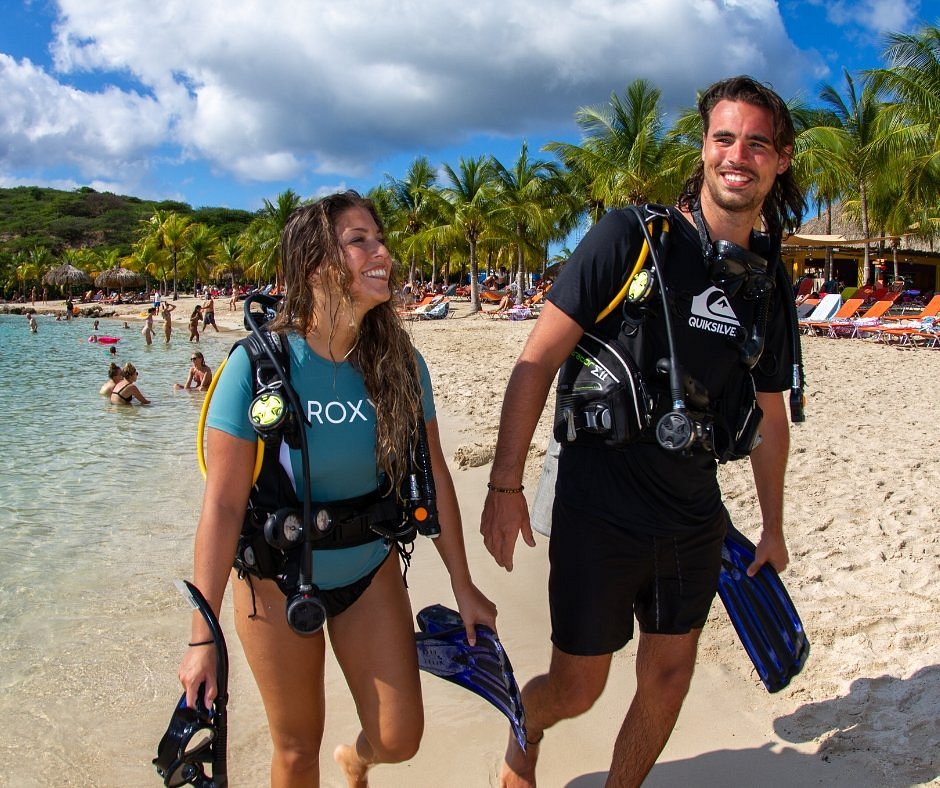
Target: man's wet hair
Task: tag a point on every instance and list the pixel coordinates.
(782, 211)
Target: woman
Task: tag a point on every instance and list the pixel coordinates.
(115, 376)
(125, 391)
(347, 347)
(147, 330)
(168, 308)
(194, 319)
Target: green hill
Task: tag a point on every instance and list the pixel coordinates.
(31, 217)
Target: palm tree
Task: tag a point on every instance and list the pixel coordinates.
(818, 164)
(465, 212)
(856, 125)
(620, 157)
(410, 210)
(261, 241)
(170, 231)
(201, 247)
(913, 75)
(228, 254)
(525, 200)
(147, 257)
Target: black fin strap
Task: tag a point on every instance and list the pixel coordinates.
(404, 553)
(254, 607)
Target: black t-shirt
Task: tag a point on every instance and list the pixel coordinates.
(645, 487)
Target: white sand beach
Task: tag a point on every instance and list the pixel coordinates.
(863, 495)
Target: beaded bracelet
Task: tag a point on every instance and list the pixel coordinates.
(202, 643)
(506, 490)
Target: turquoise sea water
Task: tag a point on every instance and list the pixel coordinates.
(98, 505)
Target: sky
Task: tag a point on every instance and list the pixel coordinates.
(231, 102)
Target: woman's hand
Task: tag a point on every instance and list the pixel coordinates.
(198, 667)
(475, 608)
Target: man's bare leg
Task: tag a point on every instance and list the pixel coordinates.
(664, 667)
(570, 688)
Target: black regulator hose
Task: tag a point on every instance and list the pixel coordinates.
(675, 429)
(798, 381)
(305, 613)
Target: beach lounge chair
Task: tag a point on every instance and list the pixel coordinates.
(825, 310)
(437, 308)
(428, 300)
(436, 311)
(517, 312)
(837, 328)
(931, 309)
(805, 309)
(805, 287)
(907, 333)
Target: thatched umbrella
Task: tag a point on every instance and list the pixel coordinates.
(66, 275)
(118, 277)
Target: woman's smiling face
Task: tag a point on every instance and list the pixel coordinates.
(367, 257)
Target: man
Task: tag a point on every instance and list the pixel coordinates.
(639, 530)
(200, 376)
(208, 312)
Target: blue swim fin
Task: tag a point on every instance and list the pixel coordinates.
(484, 668)
(762, 614)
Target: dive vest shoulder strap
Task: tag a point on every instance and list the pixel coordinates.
(264, 374)
(652, 215)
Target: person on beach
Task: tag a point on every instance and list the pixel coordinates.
(629, 524)
(200, 376)
(126, 391)
(147, 330)
(115, 376)
(194, 319)
(167, 312)
(69, 307)
(348, 351)
(208, 313)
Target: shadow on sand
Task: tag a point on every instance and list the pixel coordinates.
(856, 734)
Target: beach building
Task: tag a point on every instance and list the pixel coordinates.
(833, 247)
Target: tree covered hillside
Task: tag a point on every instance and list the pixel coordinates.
(40, 222)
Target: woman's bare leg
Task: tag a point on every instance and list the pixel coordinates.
(288, 669)
(374, 643)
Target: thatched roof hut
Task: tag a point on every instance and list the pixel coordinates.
(846, 230)
(837, 251)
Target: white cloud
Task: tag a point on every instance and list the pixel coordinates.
(286, 88)
(875, 16)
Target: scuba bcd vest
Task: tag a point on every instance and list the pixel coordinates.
(281, 529)
(611, 392)
(273, 535)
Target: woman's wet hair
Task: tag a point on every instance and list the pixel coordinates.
(383, 353)
(128, 370)
(114, 369)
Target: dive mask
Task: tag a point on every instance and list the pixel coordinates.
(187, 745)
(196, 737)
(732, 267)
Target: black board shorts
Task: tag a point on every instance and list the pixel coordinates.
(602, 575)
